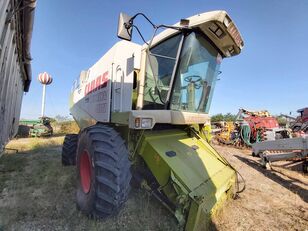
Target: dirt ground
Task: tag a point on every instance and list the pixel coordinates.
(37, 193)
(274, 199)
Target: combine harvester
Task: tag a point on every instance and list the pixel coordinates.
(143, 111)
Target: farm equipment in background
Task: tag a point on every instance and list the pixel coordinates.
(300, 123)
(283, 149)
(287, 149)
(35, 128)
(250, 127)
(224, 132)
(143, 111)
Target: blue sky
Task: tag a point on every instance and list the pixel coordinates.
(271, 73)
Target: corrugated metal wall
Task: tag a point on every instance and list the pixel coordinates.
(12, 73)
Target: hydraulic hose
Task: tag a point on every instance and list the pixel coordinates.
(246, 134)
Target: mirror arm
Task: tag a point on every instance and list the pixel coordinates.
(132, 19)
(140, 34)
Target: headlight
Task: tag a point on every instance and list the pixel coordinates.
(143, 123)
(146, 123)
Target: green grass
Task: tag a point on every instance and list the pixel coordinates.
(10, 165)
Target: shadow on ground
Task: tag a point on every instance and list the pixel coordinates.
(289, 183)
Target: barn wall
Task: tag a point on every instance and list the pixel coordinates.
(15, 69)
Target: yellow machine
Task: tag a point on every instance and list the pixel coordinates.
(226, 128)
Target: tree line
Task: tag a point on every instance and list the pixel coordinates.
(231, 117)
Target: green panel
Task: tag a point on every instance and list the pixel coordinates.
(120, 117)
(191, 167)
(197, 169)
(29, 122)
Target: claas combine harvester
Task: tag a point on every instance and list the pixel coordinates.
(143, 115)
(250, 127)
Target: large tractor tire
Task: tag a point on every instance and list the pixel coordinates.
(69, 149)
(103, 172)
(23, 131)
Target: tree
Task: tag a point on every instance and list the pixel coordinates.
(217, 117)
(282, 121)
(221, 117)
(60, 118)
(229, 117)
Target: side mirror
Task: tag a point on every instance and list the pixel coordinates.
(125, 27)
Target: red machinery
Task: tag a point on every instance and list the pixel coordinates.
(299, 125)
(261, 123)
(251, 127)
(301, 122)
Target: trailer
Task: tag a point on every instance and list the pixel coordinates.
(16, 25)
(283, 149)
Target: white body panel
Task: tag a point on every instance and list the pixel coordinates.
(95, 104)
(107, 86)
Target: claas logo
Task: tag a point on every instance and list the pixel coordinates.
(96, 84)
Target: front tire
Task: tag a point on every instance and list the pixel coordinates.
(103, 171)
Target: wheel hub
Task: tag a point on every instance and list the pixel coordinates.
(85, 171)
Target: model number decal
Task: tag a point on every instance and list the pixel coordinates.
(98, 83)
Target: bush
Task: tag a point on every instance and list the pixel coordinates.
(65, 127)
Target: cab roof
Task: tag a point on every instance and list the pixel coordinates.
(217, 26)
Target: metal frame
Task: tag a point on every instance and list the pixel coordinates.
(293, 148)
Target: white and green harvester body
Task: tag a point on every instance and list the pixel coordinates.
(157, 96)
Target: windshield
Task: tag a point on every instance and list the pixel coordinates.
(196, 76)
(160, 65)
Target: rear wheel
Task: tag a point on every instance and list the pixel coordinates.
(103, 171)
(69, 149)
(23, 131)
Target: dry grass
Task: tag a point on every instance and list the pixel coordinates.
(38, 193)
(66, 127)
(35, 144)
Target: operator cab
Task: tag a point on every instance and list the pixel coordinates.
(179, 68)
(182, 63)
(193, 61)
